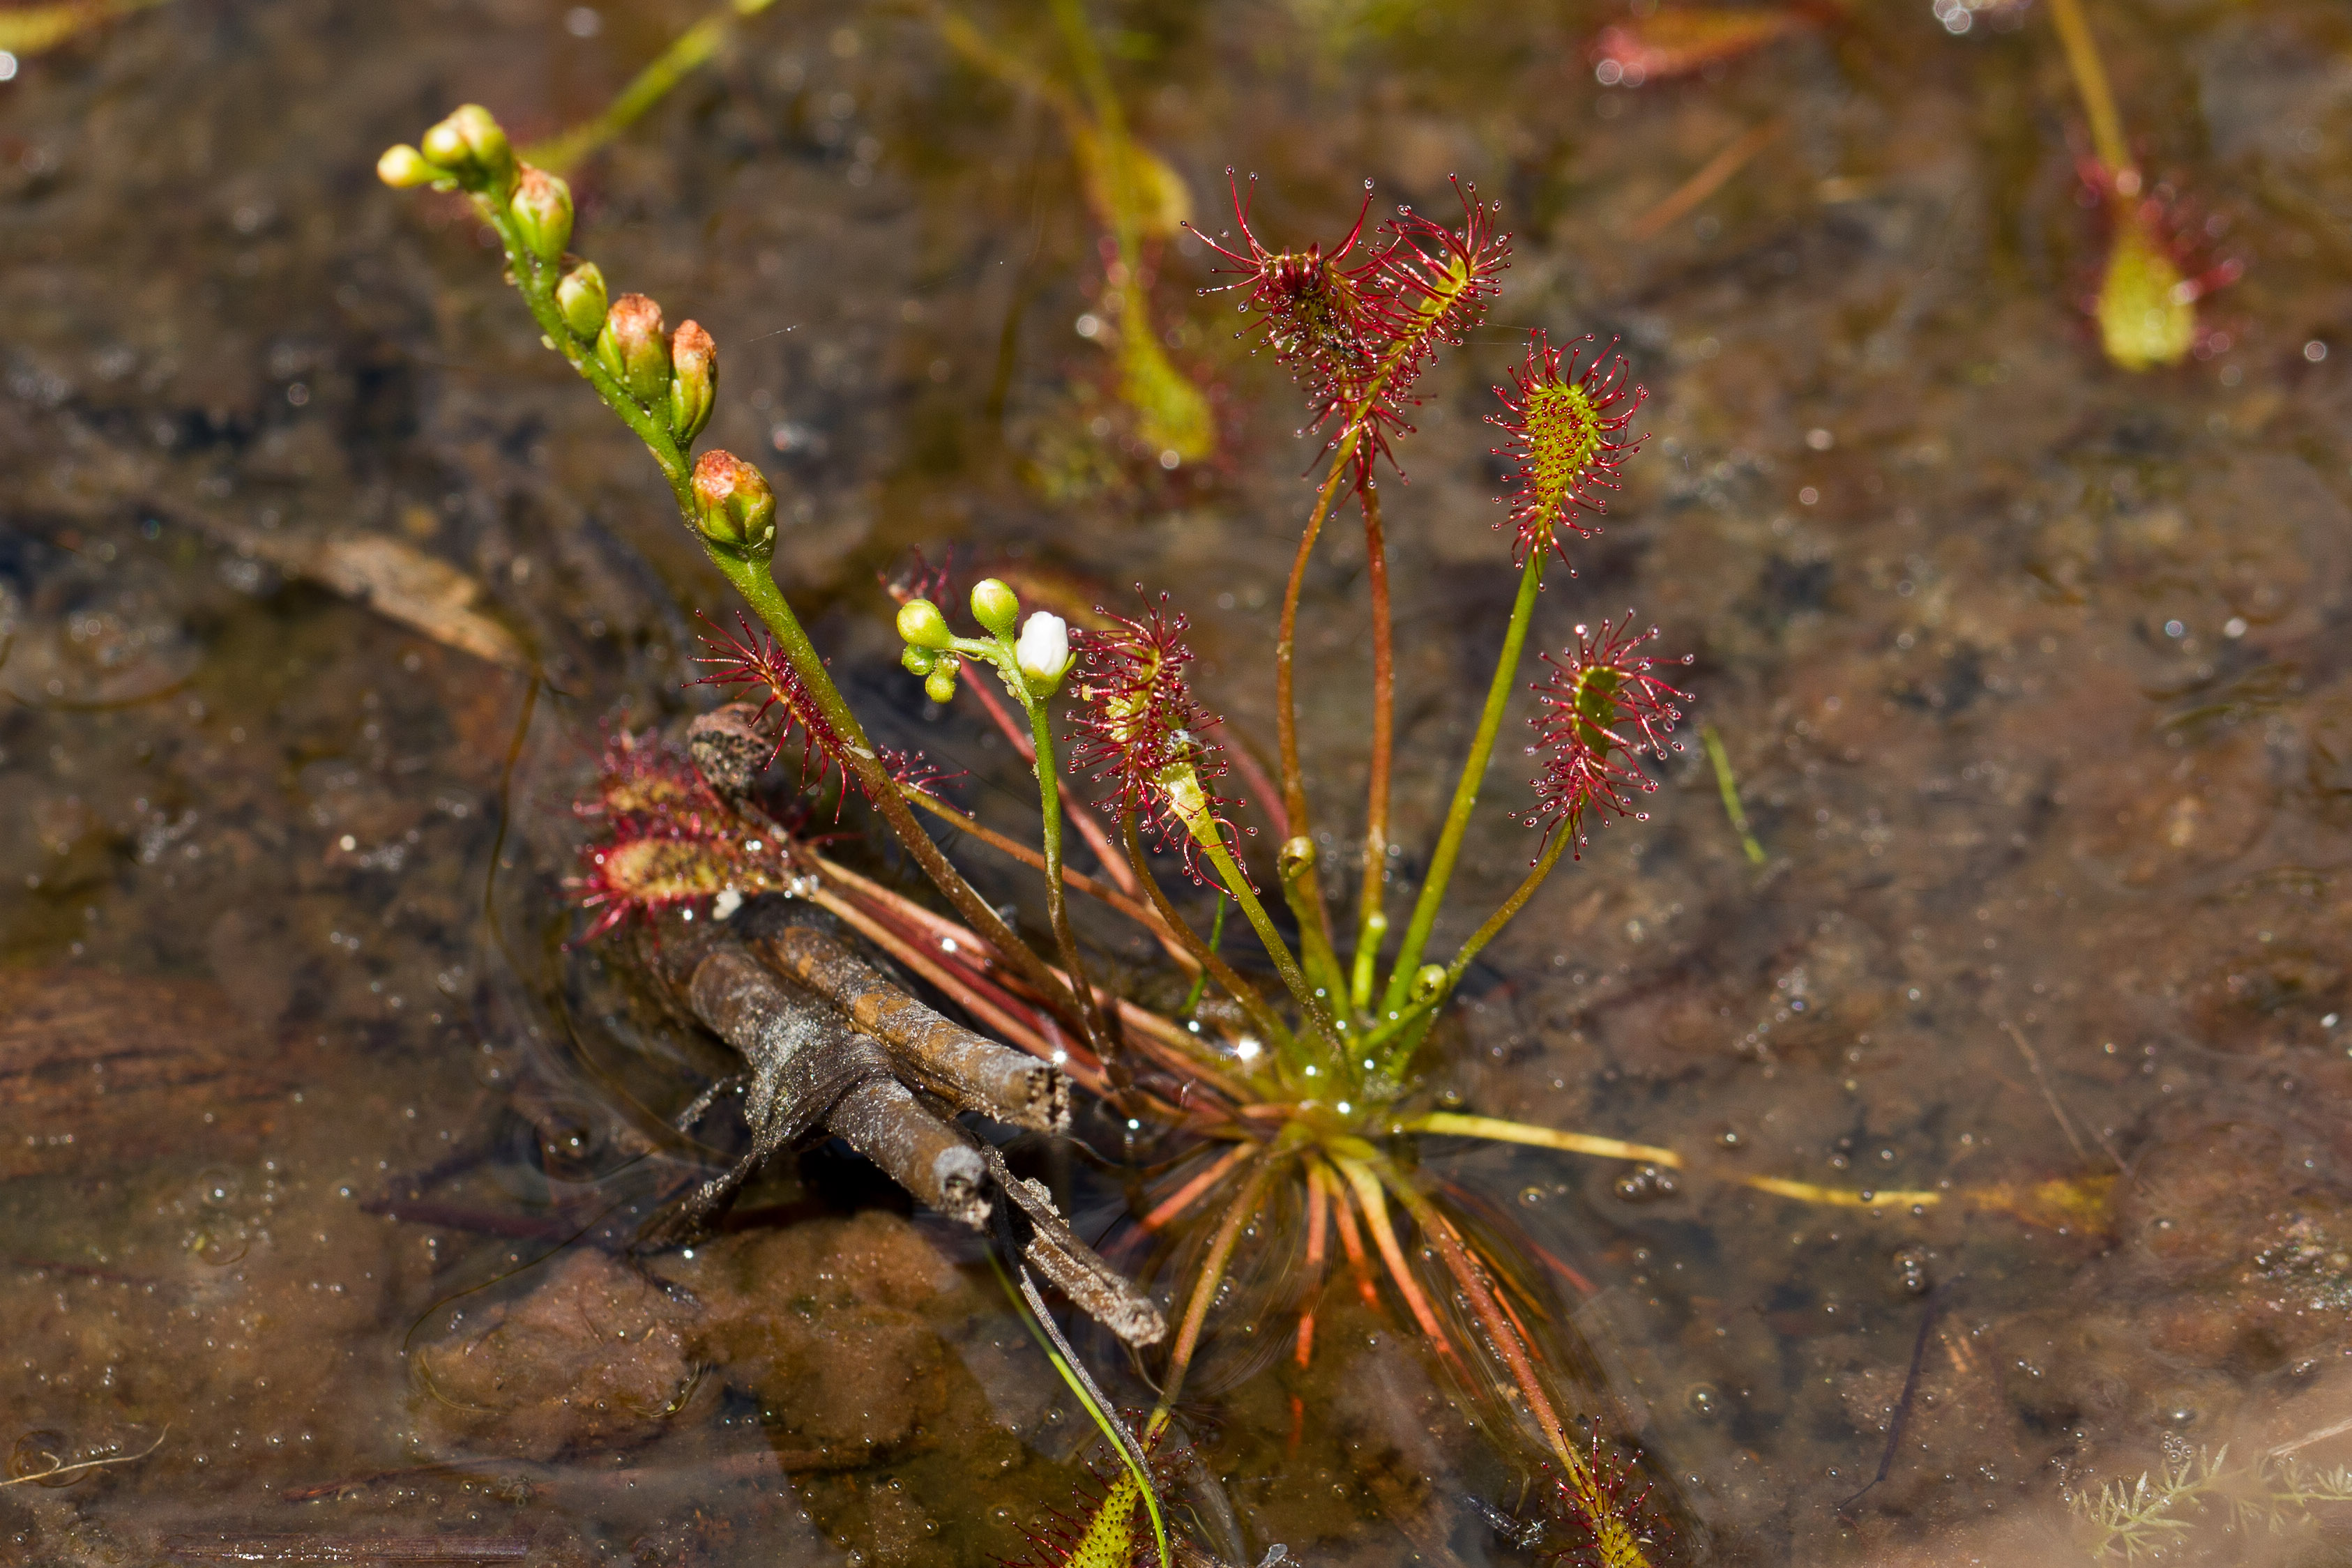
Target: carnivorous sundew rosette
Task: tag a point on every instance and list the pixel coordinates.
(1299, 1098)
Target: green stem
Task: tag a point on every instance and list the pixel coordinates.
(1057, 912)
(1216, 934)
(1372, 920)
(691, 48)
(535, 280)
(1300, 890)
(1190, 803)
(751, 579)
(2091, 83)
(1049, 1340)
(1110, 128)
(1268, 937)
(1727, 785)
(1465, 792)
(1294, 779)
(1277, 1033)
(1563, 835)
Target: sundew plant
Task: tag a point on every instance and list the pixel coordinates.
(1301, 1097)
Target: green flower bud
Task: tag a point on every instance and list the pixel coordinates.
(445, 145)
(694, 381)
(632, 347)
(922, 626)
(1427, 981)
(995, 606)
(941, 684)
(470, 145)
(581, 297)
(404, 166)
(1296, 857)
(738, 509)
(918, 660)
(541, 208)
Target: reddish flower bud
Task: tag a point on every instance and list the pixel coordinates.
(738, 509)
(541, 209)
(632, 347)
(694, 381)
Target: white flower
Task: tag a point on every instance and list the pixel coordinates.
(1043, 651)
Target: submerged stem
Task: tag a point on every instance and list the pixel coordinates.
(686, 52)
(1465, 792)
(1727, 784)
(1614, 1544)
(2091, 82)
(1205, 1287)
(1372, 920)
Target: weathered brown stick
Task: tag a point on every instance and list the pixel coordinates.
(809, 1067)
(969, 1070)
(1188, 1055)
(1052, 1249)
(802, 1063)
(828, 1041)
(937, 1161)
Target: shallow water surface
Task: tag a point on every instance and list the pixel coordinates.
(322, 585)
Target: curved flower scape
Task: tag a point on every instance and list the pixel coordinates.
(1565, 415)
(1356, 337)
(1602, 711)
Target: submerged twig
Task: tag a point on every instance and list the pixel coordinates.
(970, 1071)
(1037, 1231)
(1712, 176)
(58, 1468)
(1902, 1416)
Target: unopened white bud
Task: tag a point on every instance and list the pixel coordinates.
(1043, 652)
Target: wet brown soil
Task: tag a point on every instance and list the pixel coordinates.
(318, 579)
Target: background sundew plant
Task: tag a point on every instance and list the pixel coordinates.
(1526, 786)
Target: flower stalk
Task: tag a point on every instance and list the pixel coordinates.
(1371, 919)
(1465, 792)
